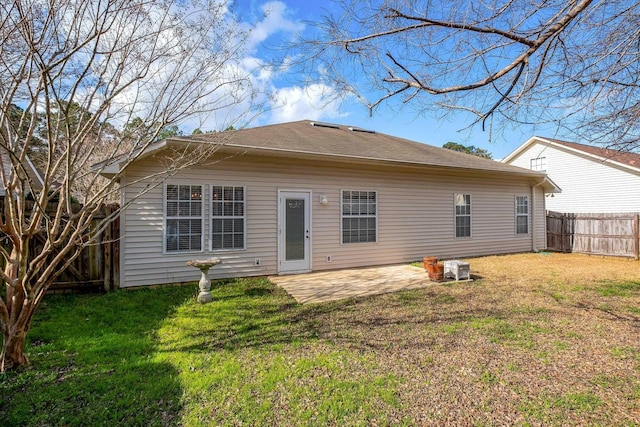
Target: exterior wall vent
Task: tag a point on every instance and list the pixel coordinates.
(353, 129)
(325, 125)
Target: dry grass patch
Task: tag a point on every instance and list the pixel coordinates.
(540, 339)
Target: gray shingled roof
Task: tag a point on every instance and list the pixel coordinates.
(303, 139)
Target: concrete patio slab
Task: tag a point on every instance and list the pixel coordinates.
(339, 284)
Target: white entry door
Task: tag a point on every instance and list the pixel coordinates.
(294, 234)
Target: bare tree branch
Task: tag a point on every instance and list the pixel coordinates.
(574, 64)
(76, 74)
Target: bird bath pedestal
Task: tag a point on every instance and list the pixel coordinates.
(205, 285)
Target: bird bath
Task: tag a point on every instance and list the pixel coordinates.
(205, 285)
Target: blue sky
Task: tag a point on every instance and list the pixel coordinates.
(285, 20)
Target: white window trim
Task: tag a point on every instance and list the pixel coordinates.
(165, 218)
(528, 214)
(244, 217)
(537, 163)
(342, 216)
(455, 216)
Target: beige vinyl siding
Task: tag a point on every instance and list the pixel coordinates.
(415, 217)
(539, 216)
(588, 185)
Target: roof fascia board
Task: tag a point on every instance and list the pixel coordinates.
(35, 171)
(111, 167)
(551, 185)
(515, 153)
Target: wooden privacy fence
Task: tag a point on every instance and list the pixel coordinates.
(96, 268)
(615, 234)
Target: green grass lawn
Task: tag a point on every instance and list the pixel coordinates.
(157, 357)
(480, 353)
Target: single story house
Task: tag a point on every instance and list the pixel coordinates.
(308, 196)
(591, 179)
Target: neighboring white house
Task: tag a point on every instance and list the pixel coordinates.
(591, 179)
(305, 196)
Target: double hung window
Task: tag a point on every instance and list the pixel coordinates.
(227, 217)
(522, 214)
(183, 218)
(463, 215)
(539, 164)
(359, 215)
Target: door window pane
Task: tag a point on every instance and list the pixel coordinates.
(295, 229)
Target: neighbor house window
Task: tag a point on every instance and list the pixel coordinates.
(463, 215)
(227, 217)
(359, 210)
(183, 218)
(522, 214)
(539, 164)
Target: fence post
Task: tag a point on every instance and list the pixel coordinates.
(107, 244)
(115, 255)
(563, 233)
(636, 236)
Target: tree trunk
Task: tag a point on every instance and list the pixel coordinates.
(13, 355)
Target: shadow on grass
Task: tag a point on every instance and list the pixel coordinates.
(254, 313)
(93, 363)
(97, 359)
(244, 313)
(417, 320)
(120, 358)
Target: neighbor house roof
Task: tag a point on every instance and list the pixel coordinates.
(314, 140)
(34, 176)
(621, 158)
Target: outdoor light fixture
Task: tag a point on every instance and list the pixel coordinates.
(324, 200)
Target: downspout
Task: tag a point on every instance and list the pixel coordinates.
(534, 247)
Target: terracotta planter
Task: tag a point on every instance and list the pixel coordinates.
(436, 272)
(429, 260)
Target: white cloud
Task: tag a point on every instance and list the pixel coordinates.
(283, 103)
(264, 84)
(313, 102)
(275, 21)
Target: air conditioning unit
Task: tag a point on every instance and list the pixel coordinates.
(456, 269)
